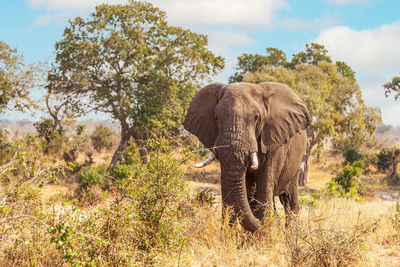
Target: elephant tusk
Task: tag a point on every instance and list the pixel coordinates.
(207, 161)
(254, 161)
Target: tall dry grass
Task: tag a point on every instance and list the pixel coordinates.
(336, 232)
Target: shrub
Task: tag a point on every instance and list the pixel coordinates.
(344, 183)
(124, 171)
(101, 138)
(80, 129)
(7, 148)
(351, 155)
(205, 198)
(384, 159)
(93, 176)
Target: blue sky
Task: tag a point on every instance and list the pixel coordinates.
(365, 34)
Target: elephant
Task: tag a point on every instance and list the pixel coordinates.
(258, 134)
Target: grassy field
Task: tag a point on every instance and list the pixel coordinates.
(75, 227)
(328, 232)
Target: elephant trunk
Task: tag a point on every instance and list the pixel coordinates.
(233, 186)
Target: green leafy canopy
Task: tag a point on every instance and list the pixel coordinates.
(15, 80)
(330, 92)
(127, 61)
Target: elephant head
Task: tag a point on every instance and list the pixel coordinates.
(239, 121)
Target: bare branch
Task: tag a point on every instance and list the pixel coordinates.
(23, 216)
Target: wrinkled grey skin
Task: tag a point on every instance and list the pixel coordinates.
(237, 119)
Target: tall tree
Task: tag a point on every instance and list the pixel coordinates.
(332, 95)
(16, 80)
(125, 60)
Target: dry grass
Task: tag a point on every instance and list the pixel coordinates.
(335, 232)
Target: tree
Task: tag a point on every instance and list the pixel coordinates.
(101, 138)
(249, 63)
(15, 80)
(313, 54)
(125, 60)
(389, 159)
(333, 98)
(393, 87)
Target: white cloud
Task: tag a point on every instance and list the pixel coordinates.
(344, 2)
(307, 25)
(43, 20)
(366, 51)
(71, 4)
(230, 38)
(212, 12)
(191, 12)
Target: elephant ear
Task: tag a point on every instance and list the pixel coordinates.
(287, 115)
(200, 118)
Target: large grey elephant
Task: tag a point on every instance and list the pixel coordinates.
(257, 132)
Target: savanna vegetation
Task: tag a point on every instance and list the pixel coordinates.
(71, 195)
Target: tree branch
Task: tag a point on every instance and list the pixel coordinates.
(23, 216)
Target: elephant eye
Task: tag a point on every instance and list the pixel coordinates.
(256, 117)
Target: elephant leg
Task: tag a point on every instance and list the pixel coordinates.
(290, 202)
(294, 195)
(285, 201)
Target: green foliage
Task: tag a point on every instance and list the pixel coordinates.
(80, 129)
(249, 63)
(345, 183)
(313, 54)
(101, 138)
(124, 171)
(393, 87)
(93, 176)
(15, 80)
(205, 197)
(53, 136)
(384, 159)
(351, 155)
(128, 62)
(157, 189)
(309, 199)
(334, 99)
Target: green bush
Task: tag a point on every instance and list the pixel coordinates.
(309, 199)
(345, 183)
(156, 192)
(384, 159)
(351, 155)
(101, 138)
(124, 171)
(93, 176)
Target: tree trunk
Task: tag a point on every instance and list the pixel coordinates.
(304, 167)
(126, 134)
(303, 173)
(142, 150)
